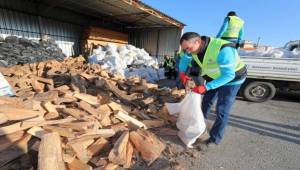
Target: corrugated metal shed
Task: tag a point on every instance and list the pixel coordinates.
(65, 20)
(23, 22)
(130, 13)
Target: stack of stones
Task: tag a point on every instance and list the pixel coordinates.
(14, 50)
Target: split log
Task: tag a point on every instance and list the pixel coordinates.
(153, 123)
(80, 148)
(88, 108)
(78, 165)
(97, 146)
(93, 100)
(119, 93)
(126, 118)
(8, 140)
(129, 152)
(78, 114)
(147, 144)
(118, 153)
(64, 132)
(30, 123)
(37, 132)
(14, 151)
(50, 153)
(110, 166)
(13, 113)
(51, 110)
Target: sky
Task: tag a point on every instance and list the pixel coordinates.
(274, 21)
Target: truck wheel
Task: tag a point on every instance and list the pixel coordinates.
(259, 91)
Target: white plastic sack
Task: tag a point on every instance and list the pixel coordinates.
(190, 121)
(5, 88)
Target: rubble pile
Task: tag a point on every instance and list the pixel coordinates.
(127, 60)
(14, 50)
(73, 115)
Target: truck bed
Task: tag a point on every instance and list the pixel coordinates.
(287, 69)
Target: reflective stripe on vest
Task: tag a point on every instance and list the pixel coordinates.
(234, 26)
(210, 66)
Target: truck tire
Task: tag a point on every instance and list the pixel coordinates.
(259, 91)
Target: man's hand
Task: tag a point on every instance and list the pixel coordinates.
(199, 89)
(184, 78)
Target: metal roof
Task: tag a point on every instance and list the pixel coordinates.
(128, 13)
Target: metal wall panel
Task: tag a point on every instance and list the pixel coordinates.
(157, 42)
(169, 41)
(145, 39)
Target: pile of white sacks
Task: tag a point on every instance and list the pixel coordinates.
(271, 52)
(128, 61)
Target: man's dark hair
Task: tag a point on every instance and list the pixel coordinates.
(189, 35)
(231, 13)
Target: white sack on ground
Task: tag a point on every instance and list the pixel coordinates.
(190, 121)
(5, 88)
(119, 59)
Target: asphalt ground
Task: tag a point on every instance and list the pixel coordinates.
(259, 136)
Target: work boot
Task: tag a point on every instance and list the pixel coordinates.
(207, 145)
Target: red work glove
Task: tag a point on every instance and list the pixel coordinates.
(184, 78)
(199, 89)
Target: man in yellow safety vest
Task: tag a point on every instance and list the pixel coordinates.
(223, 71)
(232, 29)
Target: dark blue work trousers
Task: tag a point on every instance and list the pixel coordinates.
(226, 97)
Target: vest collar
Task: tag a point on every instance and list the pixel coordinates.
(206, 41)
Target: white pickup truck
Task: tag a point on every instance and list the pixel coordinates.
(268, 74)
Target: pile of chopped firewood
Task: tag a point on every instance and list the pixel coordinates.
(73, 115)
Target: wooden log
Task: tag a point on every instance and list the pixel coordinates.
(105, 133)
(110, 166)
(78, 126)
(50, 153)
(126, 118)
(11, 101)
(129, 154)
(8, 140)
(119, 93)
(80, 148)
(97, 146)
(51, 110)
(104, 110)
(64, 132)
(46, 96)
(153, 123)
(45, 80)
(88, 76)
(78, 165)
(148, 100)
(106, 121)
(63, 88)
(13, 113)
(117, 107)
(37, 132)
(88, 108)
(78, 114)
(93, 100)
(118, 153)
(30, 123)
(147, 144)
(37, 86)
(164, 114)
(3, 118)
(14, 151)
